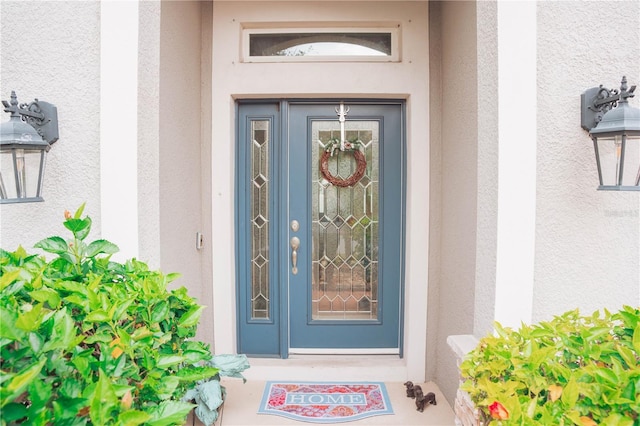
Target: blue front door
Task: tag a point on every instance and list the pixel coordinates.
(320, 230)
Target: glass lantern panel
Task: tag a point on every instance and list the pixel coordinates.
(631, 176)
(20, 173)
(614, 159)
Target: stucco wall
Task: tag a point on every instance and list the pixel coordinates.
(180, 143)
(458, 182)
(435, 184)
(149, 132)
(179, 87)
(587, 241)
(44, 57)
(487, 197)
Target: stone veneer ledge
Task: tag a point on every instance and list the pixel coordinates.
(465, 411)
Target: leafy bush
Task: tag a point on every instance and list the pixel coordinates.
(573, 370)
(87, 341)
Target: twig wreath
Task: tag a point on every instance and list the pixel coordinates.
(361, 162)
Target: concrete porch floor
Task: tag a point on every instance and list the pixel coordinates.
(243, 400)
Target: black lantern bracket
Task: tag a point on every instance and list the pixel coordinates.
(597, 101)
(40, 115)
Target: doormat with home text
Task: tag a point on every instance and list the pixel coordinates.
(319, 402)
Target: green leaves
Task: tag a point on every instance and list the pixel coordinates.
(636, 339)
(8, 278)
(16, 384)
(55, 245)
(191, 317)
(99, 247)
(31, 318)
(103, 401)
(133, 418)
(194, 374)
(165, 361)
(570, 394)
(79, 227)
(76, 256)
(98, 315)
(48, 295)
(169, 413)
(87, 341)
(571, 370)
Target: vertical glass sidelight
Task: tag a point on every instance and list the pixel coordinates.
(259, 207)
(256, 193)
(345, 225)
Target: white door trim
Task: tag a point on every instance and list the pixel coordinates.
(408, 80)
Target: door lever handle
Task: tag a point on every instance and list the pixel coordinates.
(295, 243)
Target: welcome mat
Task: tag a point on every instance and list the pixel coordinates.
(319, 402)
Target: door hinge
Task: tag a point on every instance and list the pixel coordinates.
(199, 240)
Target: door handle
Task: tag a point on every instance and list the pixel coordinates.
(295, 243)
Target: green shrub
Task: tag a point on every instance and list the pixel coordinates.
(573, 370)
(87, 341)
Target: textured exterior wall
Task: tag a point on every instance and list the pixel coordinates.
(205, 328)
(435, 184)
(486, 242)
(178, 89)
(53, 53)
(179, 133)
(149, 132)
(587, 241)
(458, 184)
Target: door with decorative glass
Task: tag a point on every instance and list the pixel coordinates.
(320, 210)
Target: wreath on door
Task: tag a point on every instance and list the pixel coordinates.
(352, 147)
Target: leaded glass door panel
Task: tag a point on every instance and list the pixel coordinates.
(320, 252)
(346, 294)
(344, 225)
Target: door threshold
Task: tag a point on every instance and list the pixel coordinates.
(390, 368)
(327, 351)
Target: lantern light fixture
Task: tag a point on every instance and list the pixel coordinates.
(614, 127)
(24, 142)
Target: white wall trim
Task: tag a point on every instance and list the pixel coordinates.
(119, 125)
(517, 74)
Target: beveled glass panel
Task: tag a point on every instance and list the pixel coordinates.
(260, 308)
(345, 225)
(27, 167)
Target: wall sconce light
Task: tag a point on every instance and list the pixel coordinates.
(24, 141)
(614, 127)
